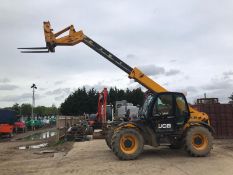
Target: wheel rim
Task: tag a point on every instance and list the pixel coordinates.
(128, 144)
(199, 141)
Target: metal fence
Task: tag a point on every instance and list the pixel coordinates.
(221, 118)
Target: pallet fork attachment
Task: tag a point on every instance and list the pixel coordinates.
(52, 39)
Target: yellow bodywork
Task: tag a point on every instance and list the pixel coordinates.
(128, 125)
(71, 39)
(74, 38)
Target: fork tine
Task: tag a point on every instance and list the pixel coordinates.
(31, 48)
(44, 51)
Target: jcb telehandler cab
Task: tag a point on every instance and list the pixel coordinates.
(166, 117)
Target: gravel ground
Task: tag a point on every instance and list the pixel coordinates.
(94, 157)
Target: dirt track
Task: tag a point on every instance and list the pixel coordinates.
(94, 157)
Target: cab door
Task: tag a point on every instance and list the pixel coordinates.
(168, 112)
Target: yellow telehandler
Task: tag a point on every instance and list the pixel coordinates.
(166, 116)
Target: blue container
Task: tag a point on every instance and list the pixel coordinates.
(7, 116)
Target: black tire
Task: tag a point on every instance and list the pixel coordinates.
(108, 137)
(127, 143)
(198, 141)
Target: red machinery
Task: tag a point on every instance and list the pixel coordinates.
(100, 118)
(19, 125)
(102, 106)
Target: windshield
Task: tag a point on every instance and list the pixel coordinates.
(146, 104)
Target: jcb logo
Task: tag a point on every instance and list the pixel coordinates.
(161, 126)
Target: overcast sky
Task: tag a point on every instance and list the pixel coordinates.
(184, 45)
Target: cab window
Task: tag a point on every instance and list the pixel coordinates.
(163, 105)
(181, 108)
(146, 105)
